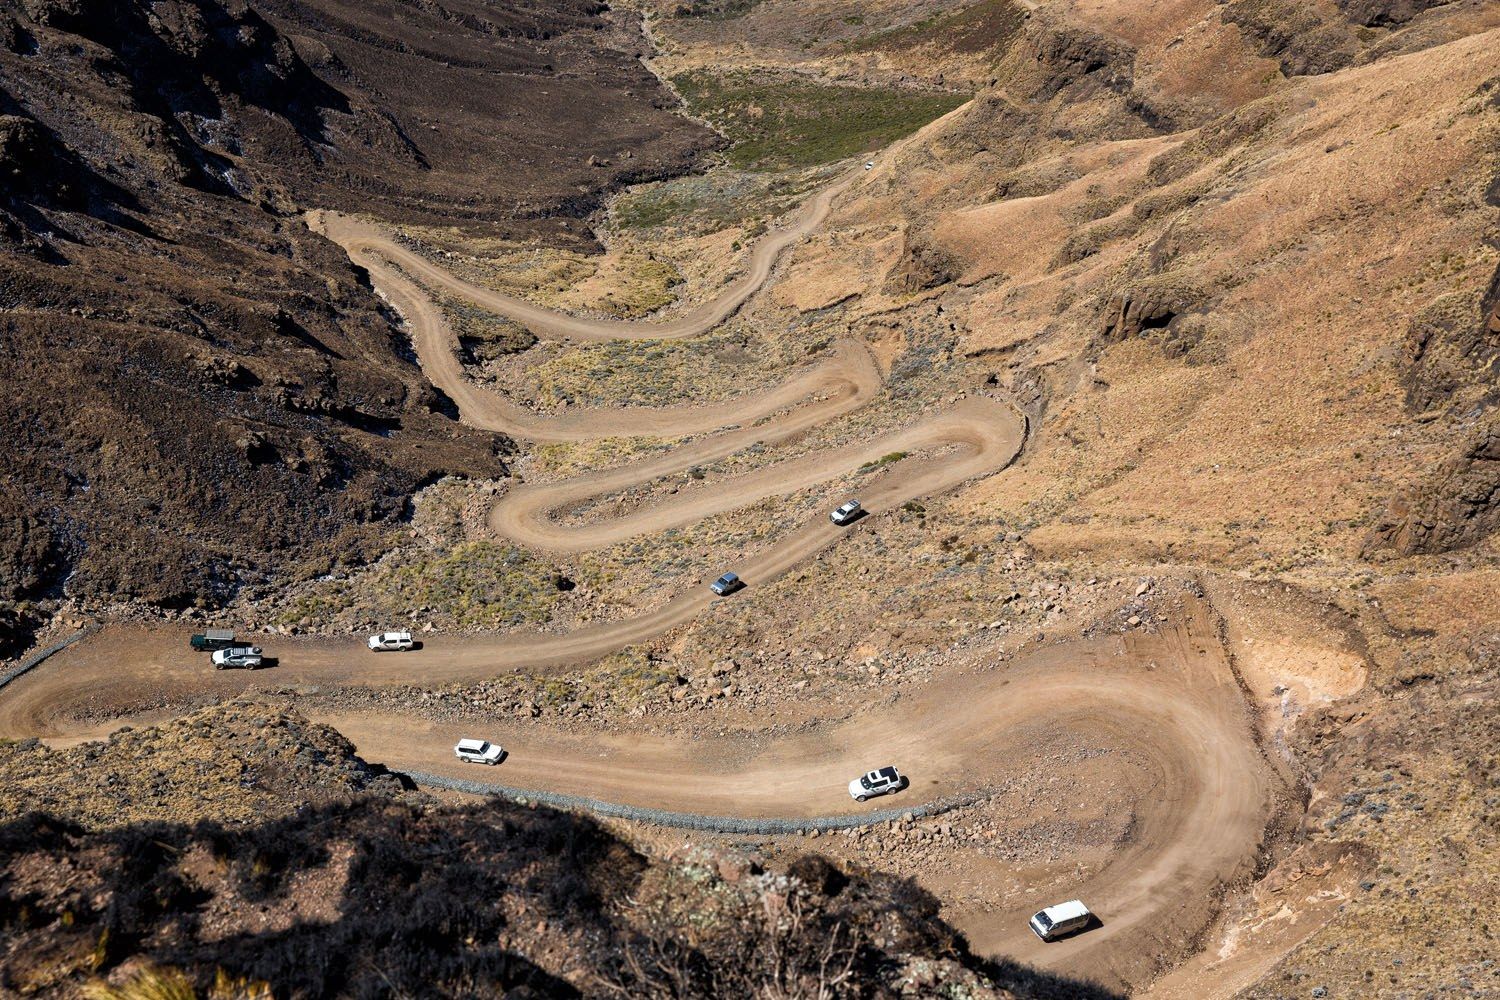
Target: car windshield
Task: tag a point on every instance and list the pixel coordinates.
(1043, 919)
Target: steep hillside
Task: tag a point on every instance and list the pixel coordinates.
(200, 395)
(1240, 261)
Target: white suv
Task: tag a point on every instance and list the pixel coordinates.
(881, 782)
(478, 752)
(248, 657)
(391, 642)
(846, 512)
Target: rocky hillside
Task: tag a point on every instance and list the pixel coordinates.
(199, 395)
(1240, 261)
(241, 850)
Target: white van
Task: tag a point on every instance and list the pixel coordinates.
(1064, 918)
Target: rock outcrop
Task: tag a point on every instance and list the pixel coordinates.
(1457, 505)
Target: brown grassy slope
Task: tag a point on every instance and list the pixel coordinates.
(1253, 313)
(1220, 317)
(233, 764)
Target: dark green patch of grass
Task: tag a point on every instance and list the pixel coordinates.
(779, 124)
(715, 10)
(883, 460)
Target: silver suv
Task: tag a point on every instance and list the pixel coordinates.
(238, 657)
(726, 584)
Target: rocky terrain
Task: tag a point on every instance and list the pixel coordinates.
(200, 395)
(314, 876)
(1236, 264)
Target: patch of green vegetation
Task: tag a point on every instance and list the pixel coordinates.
(779, 123)
(646, 286)
(648, 210)
(883, 461)
(479, 583)
(715, 201)
(978, 28)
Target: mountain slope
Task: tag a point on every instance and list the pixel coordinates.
(199, 394)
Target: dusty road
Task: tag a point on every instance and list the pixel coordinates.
(1201, 789)
(359, 238)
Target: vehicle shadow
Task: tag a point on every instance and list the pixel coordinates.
(1039, 984)
(1094, 923)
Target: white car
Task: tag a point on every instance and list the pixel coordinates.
(881, 782)
(246, 657)
(847, 511)
(1064, 918)
(869, 164)
(391, 642)
(479, 752)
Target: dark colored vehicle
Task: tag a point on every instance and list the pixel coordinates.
(211, 640)
(726, 584)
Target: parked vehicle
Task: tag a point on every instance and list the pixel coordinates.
(239, 657)
(726, 584)
(848, 511)
(212, 639)
(882, 782)
(391, 642)
(478, 752)
(869, 164)
(1061, 920)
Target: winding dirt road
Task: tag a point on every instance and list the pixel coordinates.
(1169, 704)
(358, 238)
